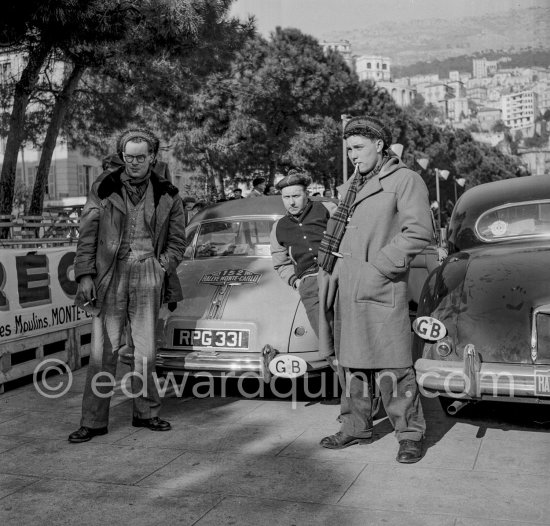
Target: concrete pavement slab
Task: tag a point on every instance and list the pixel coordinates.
(55, 426)
(10, 414)
(215, 411)
(530, 457)
(12, 483)
(7, 443)
(299, 480)
(66, 503)
(237, 438)
(90, 461)
(305, 413)
(70, 402)
(251, 511)
(461, 521)
(528, 436)
(448, 452)
(468, 494)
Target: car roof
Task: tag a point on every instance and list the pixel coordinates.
(268, 205)
(486, 196)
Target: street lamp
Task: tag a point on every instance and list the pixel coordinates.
(423, 163)
(444, 174)
(345, 118)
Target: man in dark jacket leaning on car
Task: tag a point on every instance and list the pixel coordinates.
(295, 240)
(132, 238)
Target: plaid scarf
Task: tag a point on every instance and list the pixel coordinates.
(336, 225)
(135, 187)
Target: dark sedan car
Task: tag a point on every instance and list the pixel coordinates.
(483, 326)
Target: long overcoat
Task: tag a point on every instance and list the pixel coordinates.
(367, 290)
(102, 226)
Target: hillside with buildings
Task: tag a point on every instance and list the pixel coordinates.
(430, 39)
(505, 107)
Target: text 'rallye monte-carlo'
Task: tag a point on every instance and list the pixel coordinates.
(483, 326)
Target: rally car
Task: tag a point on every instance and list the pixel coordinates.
(483, 326)
(238, 316)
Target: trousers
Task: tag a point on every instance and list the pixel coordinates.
(364, 389)
(309, 294)
(133, 297)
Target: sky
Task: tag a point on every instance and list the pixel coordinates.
(319, 17)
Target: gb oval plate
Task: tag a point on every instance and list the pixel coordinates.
(288, 366)
(429, 328)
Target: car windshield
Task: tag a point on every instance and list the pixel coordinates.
(234, 237)
(515, 220)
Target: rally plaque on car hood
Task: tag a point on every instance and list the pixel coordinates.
(225, 277)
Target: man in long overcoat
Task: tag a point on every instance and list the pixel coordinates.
(382, 222)
(132, 238)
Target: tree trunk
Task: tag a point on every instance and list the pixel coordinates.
(273, 165)
(58, 115)
(217, 179)
(23, 91)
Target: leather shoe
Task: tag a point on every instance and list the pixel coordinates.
(340, 440)
(154, 424)
(410, 451)
(86, 433)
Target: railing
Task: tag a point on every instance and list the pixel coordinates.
(47, 230)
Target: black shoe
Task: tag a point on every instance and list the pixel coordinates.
(341, 440)
(154, 424)
(410, 451)
(86, 433)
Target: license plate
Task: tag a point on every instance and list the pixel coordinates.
(542, 383)
(211, 339)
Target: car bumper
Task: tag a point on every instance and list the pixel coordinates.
(474, 380)
(228, 363)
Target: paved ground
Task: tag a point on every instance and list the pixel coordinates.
(257, 461)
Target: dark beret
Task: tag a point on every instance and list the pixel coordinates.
(293, 178)
(258, 180)
(369, 127)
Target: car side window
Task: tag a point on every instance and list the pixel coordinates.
(190, 237)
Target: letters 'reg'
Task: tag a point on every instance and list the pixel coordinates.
(33, 280)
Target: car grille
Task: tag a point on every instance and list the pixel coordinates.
(543, 338)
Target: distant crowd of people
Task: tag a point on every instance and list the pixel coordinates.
(260, 188)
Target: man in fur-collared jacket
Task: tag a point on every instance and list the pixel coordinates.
(132, 238)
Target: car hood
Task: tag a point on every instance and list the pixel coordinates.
(261, 297)
(501, 288)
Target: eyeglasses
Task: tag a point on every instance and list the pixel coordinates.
(130, 158)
